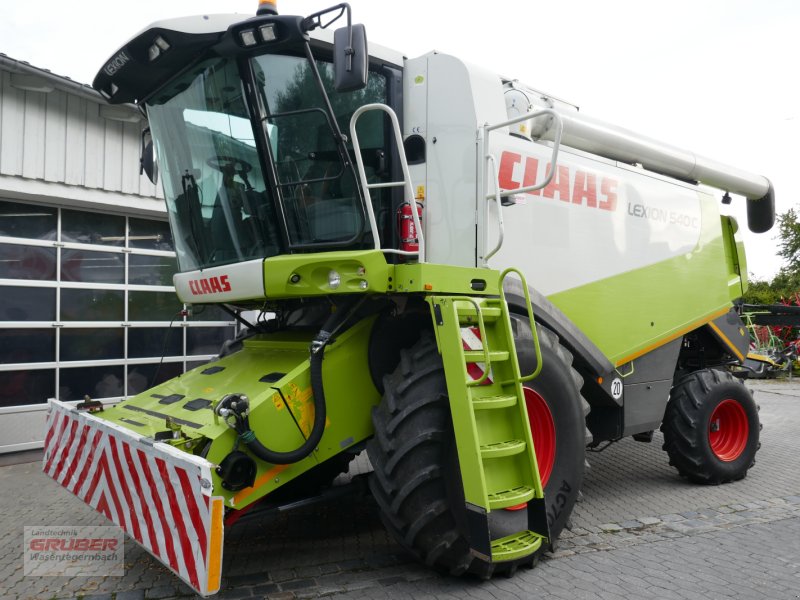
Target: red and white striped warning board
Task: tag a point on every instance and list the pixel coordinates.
(158, 495)
(471, 340)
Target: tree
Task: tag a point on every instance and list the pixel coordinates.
(789, 241)
(760, 291)
(786, 284)
(783, 287)
(308, 131)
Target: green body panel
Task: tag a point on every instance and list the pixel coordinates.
(671, 297)
(737, 279)
(279, 409)
(431, 278)
(306, 275)
(273, 371)
(738, 257)
(742, 256)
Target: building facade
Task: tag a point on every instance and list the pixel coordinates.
(87, 306)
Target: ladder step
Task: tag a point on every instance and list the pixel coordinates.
(512, 497)
(501, 449)
(515, 546)
(490, 402)
(476, 356)
(468, 316)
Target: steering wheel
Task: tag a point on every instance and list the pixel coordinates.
(228, 165)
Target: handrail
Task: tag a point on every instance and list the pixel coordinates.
(405, 183)
(498, 195)
(529, 308)
(499, 203)
(559, 129)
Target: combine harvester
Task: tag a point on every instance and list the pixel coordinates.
(383, 214)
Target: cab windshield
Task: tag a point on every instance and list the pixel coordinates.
(223, 206)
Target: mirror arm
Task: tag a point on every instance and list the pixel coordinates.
(341, 138)
(349, 51)
(311, 22)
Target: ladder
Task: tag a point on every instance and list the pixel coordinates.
(493, 438)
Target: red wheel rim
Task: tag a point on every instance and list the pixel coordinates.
(543, 431)
(728, 430)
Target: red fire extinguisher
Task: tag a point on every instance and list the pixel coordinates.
(409, 241)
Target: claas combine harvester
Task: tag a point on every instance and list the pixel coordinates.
(463, 276)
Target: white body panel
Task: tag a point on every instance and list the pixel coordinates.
(593, 221)
(445, 102)
(228, 283)
(596, 219)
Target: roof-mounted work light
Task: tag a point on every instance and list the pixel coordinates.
(157, 48)
(248, 37)
(268, 32)
(262, 34)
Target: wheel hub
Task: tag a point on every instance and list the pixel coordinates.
(728, 430)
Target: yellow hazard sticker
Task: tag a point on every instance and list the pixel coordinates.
(420, 192)
(419, 80)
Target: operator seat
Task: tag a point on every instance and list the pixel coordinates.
(242, 224)
(231, 238)
(192, 229)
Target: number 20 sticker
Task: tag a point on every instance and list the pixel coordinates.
(616, 388)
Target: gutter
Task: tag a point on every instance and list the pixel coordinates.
(60, 82)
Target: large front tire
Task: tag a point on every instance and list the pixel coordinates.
(416, 479)
(711, 427)
(562, 433)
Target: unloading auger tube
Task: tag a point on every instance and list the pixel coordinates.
(617, 143)
(235, 408)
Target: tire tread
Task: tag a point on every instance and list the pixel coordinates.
(684, 427)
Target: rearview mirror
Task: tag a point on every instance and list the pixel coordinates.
(350, 58)
(147, 159)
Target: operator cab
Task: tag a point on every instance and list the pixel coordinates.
(247, 121)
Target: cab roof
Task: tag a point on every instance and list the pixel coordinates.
(163, 49)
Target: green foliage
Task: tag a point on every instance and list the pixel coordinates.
(308, 131)
(760, 292)
(786, 284)
(789, 240)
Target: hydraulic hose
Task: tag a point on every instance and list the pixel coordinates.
(317, 353)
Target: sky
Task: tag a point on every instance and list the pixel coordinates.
(717, 77)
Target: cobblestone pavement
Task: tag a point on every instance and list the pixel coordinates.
(640, 532)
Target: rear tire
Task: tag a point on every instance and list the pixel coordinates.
(416, 479)
(711, 427)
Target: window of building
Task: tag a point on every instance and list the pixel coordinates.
(87, 307)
